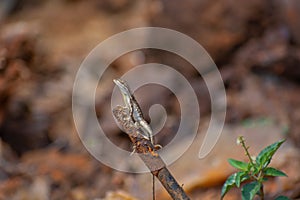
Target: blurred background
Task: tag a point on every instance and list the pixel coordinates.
(255, 44)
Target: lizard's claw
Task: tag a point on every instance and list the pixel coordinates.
(133, 151)
(157, 147)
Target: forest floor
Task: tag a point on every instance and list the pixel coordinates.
(256, 46)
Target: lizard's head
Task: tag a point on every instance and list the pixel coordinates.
(123, 86)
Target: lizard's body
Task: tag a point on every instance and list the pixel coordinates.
(134, 109)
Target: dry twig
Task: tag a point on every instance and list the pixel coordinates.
(149, 156)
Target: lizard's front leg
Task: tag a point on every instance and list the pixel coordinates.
(146, 129)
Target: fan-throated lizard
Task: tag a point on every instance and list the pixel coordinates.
(134, 109)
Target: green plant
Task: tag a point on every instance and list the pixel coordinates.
(255, 171)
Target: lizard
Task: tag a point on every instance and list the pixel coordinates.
(135, 111)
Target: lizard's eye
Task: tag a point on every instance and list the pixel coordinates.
(124, 83)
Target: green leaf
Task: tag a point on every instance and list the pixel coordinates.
(264, 157)
(254, 169)
(270, 171)
(282, 198)
(240, 177)
(238, 164)
(229, 183)
(250, 190)
(264, 179)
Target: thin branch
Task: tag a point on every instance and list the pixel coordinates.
(148, 155)
(261, 192)
(243, 143)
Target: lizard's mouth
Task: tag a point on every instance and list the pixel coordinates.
(116, 81)
(120, 85)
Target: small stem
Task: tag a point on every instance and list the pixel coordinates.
(153, 187)
(242, 141)
(261, 193)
